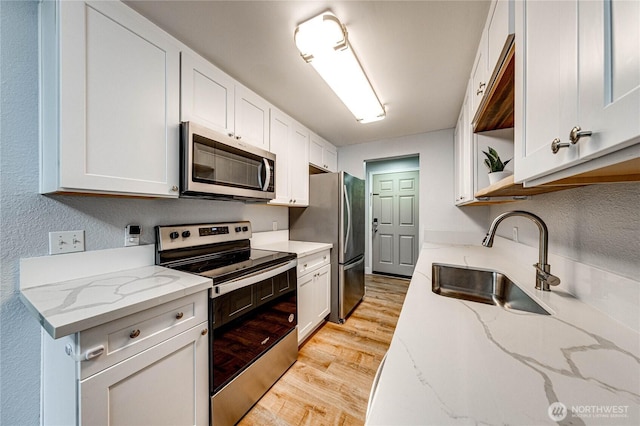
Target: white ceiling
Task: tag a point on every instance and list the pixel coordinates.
(417, 54)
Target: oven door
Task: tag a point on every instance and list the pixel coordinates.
(254, 341)
(217, 166)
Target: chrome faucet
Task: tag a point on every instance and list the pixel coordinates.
(544, 279)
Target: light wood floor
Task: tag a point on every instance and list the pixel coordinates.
(330, 382)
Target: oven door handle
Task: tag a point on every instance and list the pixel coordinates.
(264, 274)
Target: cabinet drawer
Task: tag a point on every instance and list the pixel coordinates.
(312, 262)
(134, 333)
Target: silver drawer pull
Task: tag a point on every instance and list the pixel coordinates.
(179, 315)
(204, 331)
(134, 333)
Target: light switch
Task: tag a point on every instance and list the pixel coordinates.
(66, 242)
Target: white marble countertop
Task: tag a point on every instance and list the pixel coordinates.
(458, 362)
(69, 306)
(301, 248)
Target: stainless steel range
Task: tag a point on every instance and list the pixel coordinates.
(252, 309)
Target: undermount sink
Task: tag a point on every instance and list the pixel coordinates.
(483, 286)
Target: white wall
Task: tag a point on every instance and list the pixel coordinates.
(435, 149)
(27, 217)
(598, 225)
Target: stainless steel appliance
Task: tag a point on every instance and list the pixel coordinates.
(336, 215)
(252, 310)
(214, 165)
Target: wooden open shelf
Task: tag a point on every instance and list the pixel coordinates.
(507, 188)
(496, 110)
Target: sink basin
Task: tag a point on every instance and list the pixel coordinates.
(483, 286)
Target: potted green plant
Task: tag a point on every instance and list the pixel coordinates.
(495, 165)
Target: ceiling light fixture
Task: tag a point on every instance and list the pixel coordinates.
(322, 42)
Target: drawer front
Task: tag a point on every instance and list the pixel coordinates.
(313, 262)
(132, 334)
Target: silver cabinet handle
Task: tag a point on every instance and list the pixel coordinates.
(556, 145)
(134, 333)
(230, 135)
(204, 331)
(576, 133)
(174, 188)
(179, 315)
(480, 90)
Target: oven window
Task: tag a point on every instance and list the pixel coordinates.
(220, 164)
(248, 322)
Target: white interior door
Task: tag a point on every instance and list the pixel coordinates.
(395, 223)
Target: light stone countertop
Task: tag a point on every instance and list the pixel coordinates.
(458, 362)
(71, 305)
(301, 248)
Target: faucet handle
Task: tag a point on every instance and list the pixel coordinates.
(546, 276)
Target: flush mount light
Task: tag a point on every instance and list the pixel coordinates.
(322, 42)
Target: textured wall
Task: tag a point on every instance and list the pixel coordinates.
(27, 217)
(598, 225)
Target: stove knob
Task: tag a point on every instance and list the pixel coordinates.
(238, 229)
(245, 228)
(186, 234)
(174, 235)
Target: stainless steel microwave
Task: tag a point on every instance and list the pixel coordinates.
(214, 165)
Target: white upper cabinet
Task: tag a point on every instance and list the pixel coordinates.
(207, 94)
(109, 101)
(578, 66)
(323, 154)
(462, 156)
(290, 144)
(251, 118)
(212, 98)
(495, 41)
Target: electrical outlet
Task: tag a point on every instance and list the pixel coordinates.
(66, 242)
(274, 225)
(514, 237)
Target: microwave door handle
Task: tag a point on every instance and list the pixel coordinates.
(267, 179)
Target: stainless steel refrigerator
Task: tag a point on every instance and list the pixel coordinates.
(336, 215)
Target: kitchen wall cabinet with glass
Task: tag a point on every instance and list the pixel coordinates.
(290, 143)
(578, 75)
(110, 87)
(213, 99)
(322, 154)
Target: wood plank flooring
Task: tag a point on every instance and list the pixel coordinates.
(330, 383)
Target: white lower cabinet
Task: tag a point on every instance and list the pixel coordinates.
(146, 368)
(314, 292)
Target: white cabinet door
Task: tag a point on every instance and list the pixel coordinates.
(322, 296)
(609, 83)
(110, 101)
(500, 30)
(579, 66)
(299, 165)
(546, 78)
(167, 384)
(479, 77)
(322, 154)
(462, 154)
(207, 94)
(305, 306)
(330, 157)
(251, 118)
(290, 144)
(280, 132)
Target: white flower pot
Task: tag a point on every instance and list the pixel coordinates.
(498, 176)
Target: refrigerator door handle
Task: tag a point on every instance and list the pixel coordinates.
(354, 264)
(348, 204)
